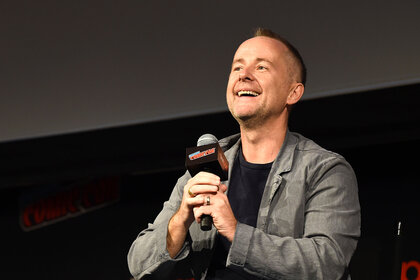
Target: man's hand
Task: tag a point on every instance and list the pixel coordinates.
(194, 195)
(218, 207)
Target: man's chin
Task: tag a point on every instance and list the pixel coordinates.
(243, 117)
(248, 120)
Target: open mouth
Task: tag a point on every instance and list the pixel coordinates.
(247, 93)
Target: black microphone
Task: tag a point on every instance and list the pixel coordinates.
(209, 157)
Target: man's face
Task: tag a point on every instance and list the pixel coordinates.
(259, 81)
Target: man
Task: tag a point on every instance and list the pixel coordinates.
(292, 209)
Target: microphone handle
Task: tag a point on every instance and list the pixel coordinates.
(206, 220)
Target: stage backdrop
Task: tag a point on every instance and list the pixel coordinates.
(69, 66)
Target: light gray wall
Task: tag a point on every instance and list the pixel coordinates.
(68, 66)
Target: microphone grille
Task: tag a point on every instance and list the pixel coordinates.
(206, 139)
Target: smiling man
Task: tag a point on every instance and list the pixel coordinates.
(292, 209)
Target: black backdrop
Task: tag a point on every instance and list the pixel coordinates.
(378, 133)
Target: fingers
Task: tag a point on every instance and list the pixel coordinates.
(199, 211)
(218, 207)
(205, 178)
(211, 204)
(196, 200)
(203, 182)
(195, 193)
(195, 190)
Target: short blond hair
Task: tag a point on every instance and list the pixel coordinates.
(293, 51)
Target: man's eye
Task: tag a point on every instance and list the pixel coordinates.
(237, 68)
(260, 67)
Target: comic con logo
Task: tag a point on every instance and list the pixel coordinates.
(410, 270)
(199, 154)
(42, 208)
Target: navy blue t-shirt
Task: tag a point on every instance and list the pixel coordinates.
(246, 187)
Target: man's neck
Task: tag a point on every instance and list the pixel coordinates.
(262, 144)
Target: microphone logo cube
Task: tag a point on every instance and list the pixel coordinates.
(209, 158)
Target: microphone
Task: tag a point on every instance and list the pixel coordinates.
(209, 157)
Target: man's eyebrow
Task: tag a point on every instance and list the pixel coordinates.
(240, 60)
(258, 59)
(264, 60)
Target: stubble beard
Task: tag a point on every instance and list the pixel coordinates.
(250, 121)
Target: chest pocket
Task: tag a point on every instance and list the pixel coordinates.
(285, 213)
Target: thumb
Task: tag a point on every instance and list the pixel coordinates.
(222, 188)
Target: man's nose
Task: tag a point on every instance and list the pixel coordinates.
(245, 75)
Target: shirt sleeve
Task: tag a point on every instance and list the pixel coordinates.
(148, 256)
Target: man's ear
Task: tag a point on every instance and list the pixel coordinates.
(295, 93)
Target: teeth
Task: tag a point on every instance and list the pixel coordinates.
(247, 92)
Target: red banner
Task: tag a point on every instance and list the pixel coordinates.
(43, 208)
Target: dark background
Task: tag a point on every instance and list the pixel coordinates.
(377, 132)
